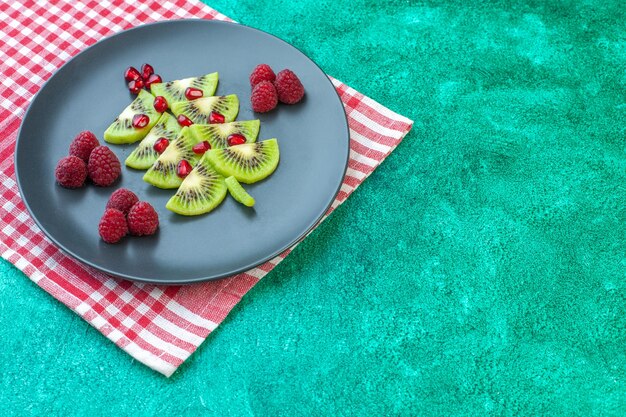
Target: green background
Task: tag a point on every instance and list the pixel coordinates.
(479, 271)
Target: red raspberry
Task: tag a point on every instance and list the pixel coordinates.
(104, 167)
(112, 226)
(71, 172)
(264, 97)
(142, 219)
(83, 144)
(122, 199)
(288, 87)
(262, 72)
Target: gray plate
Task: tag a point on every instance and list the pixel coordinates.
(89, 91)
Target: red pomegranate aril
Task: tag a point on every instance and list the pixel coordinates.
(160, 145)
(183, 169)
(135, 86)
(140, 121)
(152, 79)
(184, 120)
(202, 147)
(193, 93)
(216, 117)
(146, 71)
(131, 74)
(160, 104)
(236, 139)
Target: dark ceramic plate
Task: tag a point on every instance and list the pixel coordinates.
(89, 91)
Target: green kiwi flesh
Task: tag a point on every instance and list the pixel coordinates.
(199, 110)
(174, 91)
(237, 191)
(217, 134)
(163, 173)
(248, 163)
(122, 129)
(144, 155)
(200, 192)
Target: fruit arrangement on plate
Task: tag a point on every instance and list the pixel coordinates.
(199, 149)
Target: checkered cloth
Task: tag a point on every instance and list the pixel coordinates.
(161, 326)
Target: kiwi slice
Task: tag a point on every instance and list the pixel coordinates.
(236, 190)
(217, 134)
(122, 129)
(163, 173)
(199, 110)
(174, 91)
(249, 163)
(144, 154)
(201, 191)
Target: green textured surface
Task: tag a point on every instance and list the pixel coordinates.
(479, 271)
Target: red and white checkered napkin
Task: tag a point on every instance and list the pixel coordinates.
(158, 325)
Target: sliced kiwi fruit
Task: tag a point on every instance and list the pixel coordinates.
(201, 191)
(249, 162)
(199, 110)
(122, 129)
(144, 154)
(217, 134)
(163, 173)
(174, 91)
(237, 191)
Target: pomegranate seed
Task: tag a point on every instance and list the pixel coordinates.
(146, 71)
(184, 120)
(202, 147)
(135, 85)
(236, 139)
(183, 169)
(160, 104)
(131, 74)
(152, 79)
(193, 93)
(216, 117)
(140, 121)
(160, 145)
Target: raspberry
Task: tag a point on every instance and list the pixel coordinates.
(261, 72)
(122, 199)
(83, 144)
(288, 87)
(112, 226)
(142, 219)
(104, 167)
(71, 172)
(264, 97)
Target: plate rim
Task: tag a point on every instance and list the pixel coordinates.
(205, 278)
